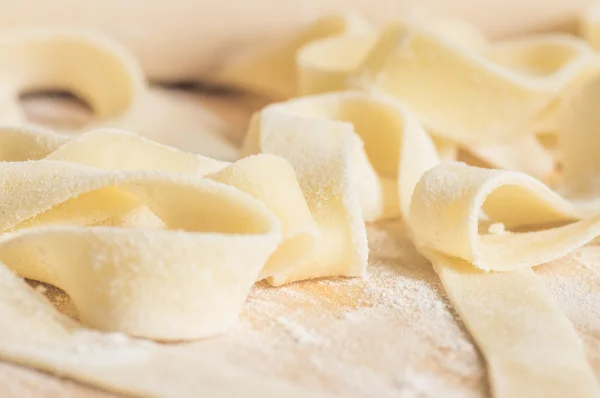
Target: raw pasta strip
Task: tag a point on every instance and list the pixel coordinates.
(119, 151)
(93, 68)
(445, 217)
(76, 195)
(280, 192)
(35, 334)
(385, 134)
(530, 347)
(109, 79)
(273, 71)
(180, 282)
(396, 148)
(323, 168)
(481, 97)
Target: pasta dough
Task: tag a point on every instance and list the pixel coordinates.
(443, 218)
(184, 40)
(35, 334)
(105, 76)
(274, 71)
(449, 198)
(108, 271)
(390, 148)
(140, 235)
(499, 91)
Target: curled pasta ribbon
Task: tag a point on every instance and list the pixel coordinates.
(273, 70)
(386, 151)
(177, 282)
(509, 310)
(389, 148)
(351, 57)
(87, 65)
(487, 96)
(454, 232)
(106, 77)
(488, 276)
(155, 258)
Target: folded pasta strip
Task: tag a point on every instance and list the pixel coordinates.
(487, 98)
(480, 97)
(160, 243)
(87, 65)
(109, 79)
(441, 205)
(136, 199)
(273, 71)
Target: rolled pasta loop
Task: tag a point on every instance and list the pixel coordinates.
(130, 277)
(481, 97)
(164, 244)
(444, 218)
(104, 75)
(390, 148)
(109, 79)
(159, 228)
(273, 70)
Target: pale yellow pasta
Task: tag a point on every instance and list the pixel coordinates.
(490, 95)
(390, 148)
(93, 68)
(45, 201)
(480, 98)
(35, 334)
(164, 244)
(273, 70)
(537, 351)
(443, 219)
(384, 148)
(105, 76)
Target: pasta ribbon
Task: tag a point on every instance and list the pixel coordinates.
(390, 150)
(481, 97)
(273, 70)
(108, 78)
(136, 199)
(160, 243)
(444, 221)
(95, 69)
(486, 276)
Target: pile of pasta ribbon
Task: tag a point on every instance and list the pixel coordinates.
(160, 243)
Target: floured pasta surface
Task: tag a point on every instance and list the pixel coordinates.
(164, 244)
(109, 80)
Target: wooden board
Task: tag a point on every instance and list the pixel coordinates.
(392, 334)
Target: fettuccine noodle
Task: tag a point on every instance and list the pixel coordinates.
(164, 244)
